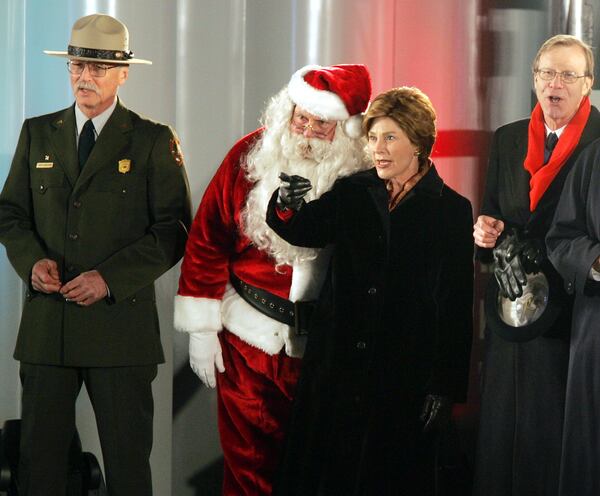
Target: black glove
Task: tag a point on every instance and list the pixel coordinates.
(291, 195)
(515, 258)
(533, 255)
(437, 411)
(508, 270)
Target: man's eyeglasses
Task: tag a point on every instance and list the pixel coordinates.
(568, 77)
(320, 127)
(96, 70)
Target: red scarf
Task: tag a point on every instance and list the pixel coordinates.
(543, 175)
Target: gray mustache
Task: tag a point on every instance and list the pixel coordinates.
(87, 86)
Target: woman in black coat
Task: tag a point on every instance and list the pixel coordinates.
(389, 340)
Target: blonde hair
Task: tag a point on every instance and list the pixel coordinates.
(567, 40)
(413, 112)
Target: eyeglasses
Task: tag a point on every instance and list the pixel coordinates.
(96, 70)
(568, 77)
(320, 127)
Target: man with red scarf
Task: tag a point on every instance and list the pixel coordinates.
(524, 375)
(240, 281)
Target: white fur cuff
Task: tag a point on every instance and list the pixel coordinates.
(197, 314)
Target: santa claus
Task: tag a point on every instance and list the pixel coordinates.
(242, 290)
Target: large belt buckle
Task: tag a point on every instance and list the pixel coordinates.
(300, 318)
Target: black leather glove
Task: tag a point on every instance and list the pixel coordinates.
(292, 191)
(515, 258)
(508, 270)
(437, 411)
(533, 255)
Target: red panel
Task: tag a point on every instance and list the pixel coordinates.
(461, 143)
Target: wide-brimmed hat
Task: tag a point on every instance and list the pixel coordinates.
(532, 314)
(99, 38)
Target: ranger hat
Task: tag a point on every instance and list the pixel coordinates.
(99, 38)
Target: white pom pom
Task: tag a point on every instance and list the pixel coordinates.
(353, 126)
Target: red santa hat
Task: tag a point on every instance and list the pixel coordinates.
(338, 92)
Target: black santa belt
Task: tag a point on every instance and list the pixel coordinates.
(294, 314)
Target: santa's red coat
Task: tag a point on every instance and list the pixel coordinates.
(216, 247)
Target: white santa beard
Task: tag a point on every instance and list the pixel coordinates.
(270, 157)
(296, 147)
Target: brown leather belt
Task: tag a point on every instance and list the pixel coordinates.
(295, 314)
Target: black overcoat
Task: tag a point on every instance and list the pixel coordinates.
(573, 244)
(523, 391)
(374, 353)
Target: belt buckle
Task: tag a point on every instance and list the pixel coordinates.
(300, 318)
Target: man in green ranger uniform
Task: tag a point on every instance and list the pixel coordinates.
(95, 208)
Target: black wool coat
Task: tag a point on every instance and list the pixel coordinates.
(393, 323)
(573, 244)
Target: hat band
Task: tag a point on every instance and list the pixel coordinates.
(93, 53)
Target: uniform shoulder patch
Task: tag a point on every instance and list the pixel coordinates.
(175, 147)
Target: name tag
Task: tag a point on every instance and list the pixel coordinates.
(44, 165)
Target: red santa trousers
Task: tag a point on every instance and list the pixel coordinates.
(255, 399)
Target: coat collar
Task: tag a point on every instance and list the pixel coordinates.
(547, 203)
(430, 185)
(114, 136)
(63, 142)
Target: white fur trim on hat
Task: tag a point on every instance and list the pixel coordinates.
(197, 314)
(353, 126)
(322, 103)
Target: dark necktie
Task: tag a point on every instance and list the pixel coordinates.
(86, 142)
(551, 141)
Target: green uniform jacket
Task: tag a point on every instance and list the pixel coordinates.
(126, 215)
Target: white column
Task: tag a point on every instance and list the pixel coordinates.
(12, 51)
